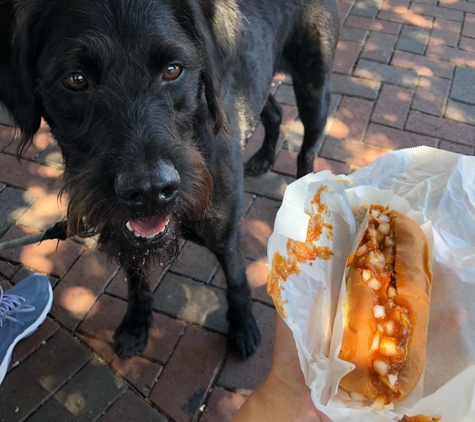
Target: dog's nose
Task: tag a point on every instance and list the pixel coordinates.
(145, 190)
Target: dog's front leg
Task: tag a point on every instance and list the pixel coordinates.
(131, 336)
(243, 333)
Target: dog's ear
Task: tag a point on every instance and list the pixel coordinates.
(216, 27)
(17, 74)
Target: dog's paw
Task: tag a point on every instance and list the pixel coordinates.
(258, 164)
(130, 339)
(243, 337)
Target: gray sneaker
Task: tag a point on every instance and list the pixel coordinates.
(22, 310)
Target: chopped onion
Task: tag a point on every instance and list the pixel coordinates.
(375, 213)
(379, 403)
(388, 328)
(383, 228)
(380, 327)
(379, 312)
(381, 367)
(392, 379)
(361, 250)
(388, 257)
(388, 241)
(377, 259)
(389, 406)
(375, 342)
(392, 292)
(374, 283)
(357, 397)
(384, 218)
(366, 275)
(388, 346)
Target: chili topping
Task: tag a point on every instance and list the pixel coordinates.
(374, 258)
(420, 418)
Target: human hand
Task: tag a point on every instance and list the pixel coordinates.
(283, 396)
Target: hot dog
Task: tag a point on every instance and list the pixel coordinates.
(386, 309)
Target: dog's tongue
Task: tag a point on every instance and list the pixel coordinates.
(150, 226)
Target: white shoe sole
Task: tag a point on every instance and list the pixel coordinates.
(30, 330)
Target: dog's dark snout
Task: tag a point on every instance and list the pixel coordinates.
(144, 190)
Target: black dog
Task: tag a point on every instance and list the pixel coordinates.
(149, 101)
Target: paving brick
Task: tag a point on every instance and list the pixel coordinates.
(257, 227)
(352, 34)
(222, 406)
(285, 95)
(445, 32)
(256, 273)
(460, 112)
(384, 73)
(286, 163)
(49, 257)
(436, 12)
(192, 301)
(27, 346)
(5, 116)
(190, 372)
(469, 26)
(131, 408)
(271, 185)
(51, 156)
(196, 262)
(467, 44)
(461, 5)
(6, 285)
(390, 138)
(459, 149)
(431, 95)
(243, 377)
(79, 289)
(2, 186)
(413, 39)
(84, 398)
(403, 15)
(44, 372)
(40, 141)
(454, 55)
(440, 128)
(289, 114)
(343, 7)
(6, 136)
(463, 85)
(100, 348)
(379, 47)
(33, 177)
(23, 272)
(47, 210)
(345, 56)
(422, 65)
(13, 204)
(347, 85)
(7, 269)
(366, 8)
(372, 24)
(352, 153)
(392, 106)
(351, 118)
(139, 372)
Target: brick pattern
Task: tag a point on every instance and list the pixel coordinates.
(403, 76)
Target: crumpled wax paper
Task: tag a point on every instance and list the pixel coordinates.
(438, 191)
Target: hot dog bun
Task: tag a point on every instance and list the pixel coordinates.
(410, 275)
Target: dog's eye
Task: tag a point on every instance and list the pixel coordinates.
(171, 72)
(75, 81)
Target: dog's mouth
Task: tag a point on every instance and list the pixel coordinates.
(149, 227)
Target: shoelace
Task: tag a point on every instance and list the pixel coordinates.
(12, 304)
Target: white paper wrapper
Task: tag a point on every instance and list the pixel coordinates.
(439, 188)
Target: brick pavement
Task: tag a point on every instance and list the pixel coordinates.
(404, 75)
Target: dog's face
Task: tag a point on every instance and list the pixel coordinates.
(129, 89)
